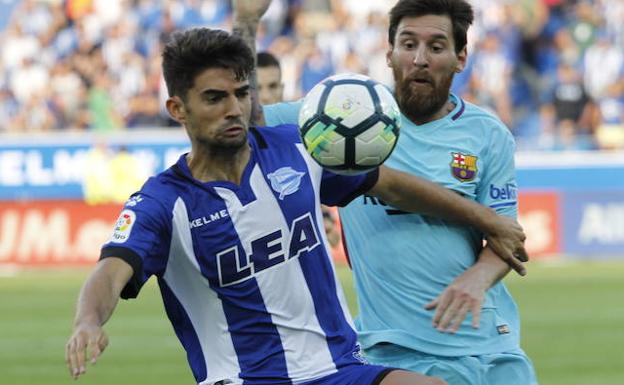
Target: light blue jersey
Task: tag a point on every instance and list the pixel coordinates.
(402, 261)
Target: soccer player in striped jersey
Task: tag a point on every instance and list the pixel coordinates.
(429, 294)
(233, 233)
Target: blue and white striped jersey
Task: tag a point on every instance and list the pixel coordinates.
(244, 271)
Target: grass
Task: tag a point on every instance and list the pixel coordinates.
(572, 328)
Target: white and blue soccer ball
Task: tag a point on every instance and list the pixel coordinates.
(349, 123)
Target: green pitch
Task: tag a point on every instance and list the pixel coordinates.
(573, 317)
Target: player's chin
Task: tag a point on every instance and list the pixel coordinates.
(232, 139)
(235, 143)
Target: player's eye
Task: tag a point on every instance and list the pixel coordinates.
(212, 99)
(408, 44)
(242, 93)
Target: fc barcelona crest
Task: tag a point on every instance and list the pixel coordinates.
(463, 166)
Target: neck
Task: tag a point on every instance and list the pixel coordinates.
(442, 112)
(209, 165)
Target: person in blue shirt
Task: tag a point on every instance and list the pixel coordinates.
(429, 293)
(233, 233)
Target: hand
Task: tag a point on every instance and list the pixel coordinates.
(250, 9)
(464, 295)
(507, 241)
(86, 339)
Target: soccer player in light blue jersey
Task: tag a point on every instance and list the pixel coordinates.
(429, 293)
(233, 233)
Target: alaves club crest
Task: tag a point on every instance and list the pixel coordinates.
(463, 166)
(285, 181)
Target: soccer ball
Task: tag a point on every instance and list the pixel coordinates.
(349, 123)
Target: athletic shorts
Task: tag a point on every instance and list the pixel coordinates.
(354, 375)
(508, 368)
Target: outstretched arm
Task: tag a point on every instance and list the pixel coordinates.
(97, 300)
(246, 17)
(414, 194)
(466, 293)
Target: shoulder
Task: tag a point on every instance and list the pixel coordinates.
(157, 195)
(276, 135)
(285, 112)
(485, 121)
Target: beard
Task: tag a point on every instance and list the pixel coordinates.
(421, 104)
(222, 144)
(227, 145)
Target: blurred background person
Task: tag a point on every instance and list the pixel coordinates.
(270, 85)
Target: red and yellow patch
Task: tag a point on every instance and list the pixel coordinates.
(463, 166)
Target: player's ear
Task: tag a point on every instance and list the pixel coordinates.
(389, 56)
(177, 110)
(461, 60)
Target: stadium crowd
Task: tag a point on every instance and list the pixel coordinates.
(552, 70)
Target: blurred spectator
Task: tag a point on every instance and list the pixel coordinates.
(104, 118)
(96, 184)
(573, 112)
(604, 64)
(9, 108)
(491, 77)
(127, 175)
(610, 133)
(570, 100)
(95, 65)
(316, 66)
(28, 79)
(113, 174)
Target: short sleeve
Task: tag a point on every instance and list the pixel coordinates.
(498, 188)
(339, 190)
(336, 190)
(282, 113)
(140, 237)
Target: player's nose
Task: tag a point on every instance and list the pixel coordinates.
(421, 58)
(234, 107)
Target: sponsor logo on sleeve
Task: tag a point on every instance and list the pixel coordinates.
(508, 191)
(123, 227)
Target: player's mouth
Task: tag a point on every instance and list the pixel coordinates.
(233, 131)
(421, 81)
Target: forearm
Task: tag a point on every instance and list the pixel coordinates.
(490, 268)
(467, 292)
(245, 26)
(100, 294)
(413, 194)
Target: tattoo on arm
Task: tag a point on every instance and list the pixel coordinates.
(248, 33)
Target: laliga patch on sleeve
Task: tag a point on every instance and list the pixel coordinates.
(123, 227)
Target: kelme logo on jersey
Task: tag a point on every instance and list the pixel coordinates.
(285, 181)
(123, 227)
(463, 166)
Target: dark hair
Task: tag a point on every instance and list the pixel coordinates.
(189, 52)
(459, 11)
(267, 59)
